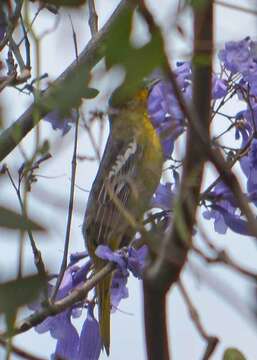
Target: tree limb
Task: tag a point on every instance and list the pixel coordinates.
(89, 57)
(162, 273)
(78, 294)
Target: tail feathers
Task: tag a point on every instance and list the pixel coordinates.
(104, 304)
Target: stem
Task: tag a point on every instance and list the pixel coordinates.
(72, 190)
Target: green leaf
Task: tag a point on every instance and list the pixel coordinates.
(137, 62)
(70, 94)
(64, 2)
(233, 354)
(17, 293)
(90, 93)
(118, 46)
(11, 220)
(45, 147)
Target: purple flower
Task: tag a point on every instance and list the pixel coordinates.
(67, 342)
(127, 259)
(119, 290)
(60, 325)
(163, 197)
(90, 343)
(183, 74)
(221, 196)
(61, 122)
(252, 168)
(241, 57)
(105, 253)
(136, 260)
(223, 211)
(236, 56)
(219, 88)
(245, 128)
(165, 113)
(77, 256)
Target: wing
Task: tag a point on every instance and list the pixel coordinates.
(105, 224)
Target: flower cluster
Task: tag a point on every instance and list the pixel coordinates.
(61, 122)
(127, 259)
(87, 345)
(71, 345)
(164, 109)
(239, 66)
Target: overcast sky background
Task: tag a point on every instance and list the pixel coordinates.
(219, 318)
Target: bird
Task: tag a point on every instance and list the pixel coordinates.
(128, 174)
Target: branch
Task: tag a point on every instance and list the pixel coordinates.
(212, 341)
(178, 241)
(236, 7)
(20, 352)
(89, 57)
(12, 23)
(93, 18)
(222, 257)
(78, 294)
(163, 273)
(72, 189)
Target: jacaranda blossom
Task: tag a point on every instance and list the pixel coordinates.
(61, 122)
(237, 55)
(126, 259)
(90, 340)
(60, 326)
(223, 210)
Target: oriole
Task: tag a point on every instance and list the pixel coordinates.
(129, 171)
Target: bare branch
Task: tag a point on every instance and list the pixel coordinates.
(222, 256)
(20, 352)
(162, 273)
(93, 18)
(78, 294)
(12, 23)
(72, 190)
(89, 57)
(236, 7)
(212, 341)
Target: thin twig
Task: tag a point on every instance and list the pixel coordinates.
(20, 352)
(37, 254)
(72, 190)
(93, 18)
(17, 54)
(221, 256)
(230, 164)
(236, 7)
(212, 341)
(12, 23)
(27, 45)
(92, 139)
(26, 31)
